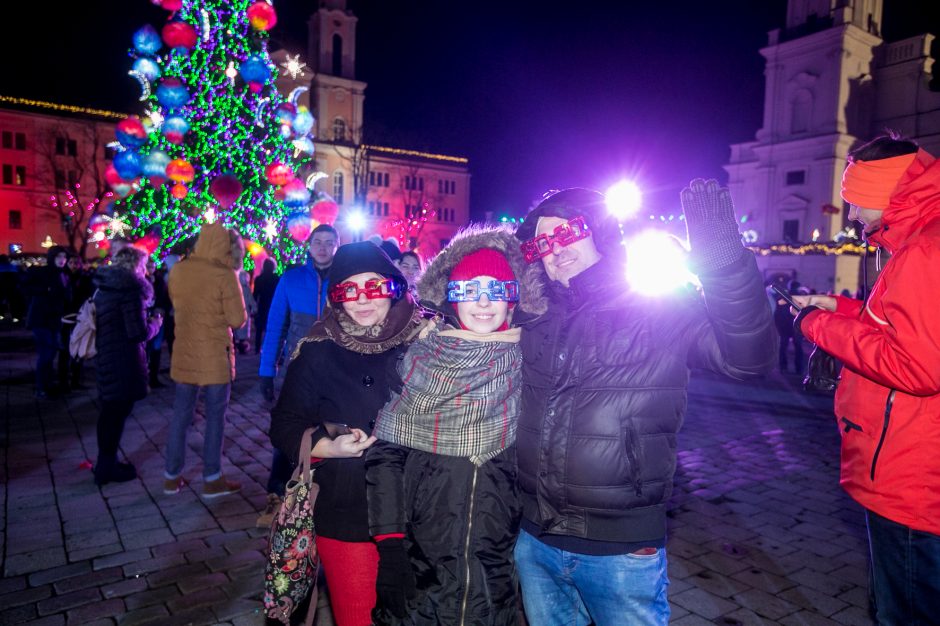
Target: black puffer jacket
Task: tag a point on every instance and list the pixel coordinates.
(605, 374)
(460, 520)
(122, 330)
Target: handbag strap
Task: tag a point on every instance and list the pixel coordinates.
(304, 461)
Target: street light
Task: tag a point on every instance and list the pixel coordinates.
(623, 200)
(356, 222)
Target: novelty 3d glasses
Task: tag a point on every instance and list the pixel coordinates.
(564, 235)
(471, 290)
(374, 289)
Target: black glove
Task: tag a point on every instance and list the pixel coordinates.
(395, 584)
(266, 385)
(806, 310)
(712, 227)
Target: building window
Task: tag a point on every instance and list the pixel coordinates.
(796, 177)
(16, 220)
(372, 179)
(339, 129)
(20, 141)
(60, 145)
(338, 187)
(385, 209)
(337, 55)
(791, 231)
(20, 178)
(60, 179)
(7, 174)
(7, 140)
(378, 179)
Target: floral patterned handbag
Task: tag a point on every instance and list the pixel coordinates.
(290, 575)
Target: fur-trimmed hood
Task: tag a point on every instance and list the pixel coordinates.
(432, 286)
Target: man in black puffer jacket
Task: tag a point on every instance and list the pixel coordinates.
(605, 379)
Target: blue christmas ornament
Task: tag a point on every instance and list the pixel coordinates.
(174, 128)
(254, 69)
(147, 40)
(303, 121)
(172, 93)
(296, 194)
(148, 68)
(154, 164)
(127, 164)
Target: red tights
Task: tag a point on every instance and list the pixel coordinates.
(350, 569)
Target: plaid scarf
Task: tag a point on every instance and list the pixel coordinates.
(460, 395)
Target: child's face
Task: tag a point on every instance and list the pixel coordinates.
(483, 316)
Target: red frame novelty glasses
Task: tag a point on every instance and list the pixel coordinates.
(565, 234)
(470, 291)
(374, 289)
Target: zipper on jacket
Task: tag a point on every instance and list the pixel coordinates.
(466, 550)
(884, 432)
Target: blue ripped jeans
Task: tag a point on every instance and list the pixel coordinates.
(561, 588)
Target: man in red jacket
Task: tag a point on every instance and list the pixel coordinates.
(888, 403)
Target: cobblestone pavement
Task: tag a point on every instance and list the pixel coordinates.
(760, 532)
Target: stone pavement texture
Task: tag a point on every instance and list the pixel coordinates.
(759, 531)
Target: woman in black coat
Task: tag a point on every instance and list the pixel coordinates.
(47, 287)
(340, 375)
(122, 331)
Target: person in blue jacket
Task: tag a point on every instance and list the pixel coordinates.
(300, 299)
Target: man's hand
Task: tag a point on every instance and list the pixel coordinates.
(266, 386)
(395, 583)
(713, 229)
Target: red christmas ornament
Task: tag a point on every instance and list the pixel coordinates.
(178, 34)
(179, 191)
(324, 211)
(262, 16)
(278, 174)
(226, 189)
(169, 5)
(112, 177)
(180, 171)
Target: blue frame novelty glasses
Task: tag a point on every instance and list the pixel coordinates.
(373, 289)
(470, 291)
(564, 235)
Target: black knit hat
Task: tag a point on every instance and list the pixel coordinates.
(577, 202)
(362, 257)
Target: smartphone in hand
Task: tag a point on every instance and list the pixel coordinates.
(335, 429)
(783, 293)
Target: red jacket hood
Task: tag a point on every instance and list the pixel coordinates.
(915, 201)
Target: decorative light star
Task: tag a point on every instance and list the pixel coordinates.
(210, 216)
(270, 230)
(116, 225)
(294, 66)
(155, 116)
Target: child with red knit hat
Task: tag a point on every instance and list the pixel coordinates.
(441, 477)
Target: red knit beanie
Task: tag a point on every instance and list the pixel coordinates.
(483, 262)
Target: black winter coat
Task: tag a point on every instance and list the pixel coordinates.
(328, 383)
(122, 330)
(450, 502)
(605, 376)
(49, 293)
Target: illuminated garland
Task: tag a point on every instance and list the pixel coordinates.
(232, 130)
(415, 153)
(827, 249)
(40, 104)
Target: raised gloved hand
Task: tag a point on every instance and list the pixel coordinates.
(266, 386)
(711, 224)
(395, 584)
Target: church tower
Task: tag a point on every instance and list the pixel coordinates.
(336, 96)
(817, 105)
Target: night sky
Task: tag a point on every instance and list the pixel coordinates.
(537, 95)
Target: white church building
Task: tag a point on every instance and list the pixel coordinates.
(832, 83)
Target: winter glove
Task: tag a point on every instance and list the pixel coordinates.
(711, 225)
(395, 584)
(266, 386)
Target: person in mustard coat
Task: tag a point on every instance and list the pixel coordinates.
(207, 301)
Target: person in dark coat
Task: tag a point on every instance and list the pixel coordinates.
(441, 479)
(265, 284)
(783, 320)
(47, 287)
(78, 290)
(605, 374)
(340, 373)
(122, 331)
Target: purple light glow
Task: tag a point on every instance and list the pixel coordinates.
(656, 263)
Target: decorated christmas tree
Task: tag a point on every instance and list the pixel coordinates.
(216, 141)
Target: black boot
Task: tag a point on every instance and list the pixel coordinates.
(111, 471)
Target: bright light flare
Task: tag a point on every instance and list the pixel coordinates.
(356, 221)
(624, 199)
(657, 263)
